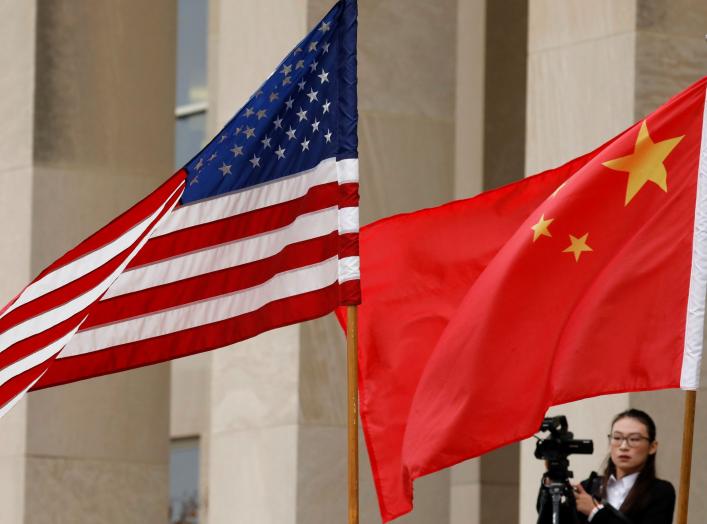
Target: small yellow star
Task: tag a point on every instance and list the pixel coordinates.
(542, 228)
(577, 246)
(645, 163)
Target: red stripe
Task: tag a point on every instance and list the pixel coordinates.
(17, 384)
(348, 245)
(190, 341)
(236, 227)
(348, 195)
(212, 284)
(350, 293)
(79, 286)
(122, 223)
(29, 345)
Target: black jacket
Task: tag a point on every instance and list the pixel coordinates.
(657, 508)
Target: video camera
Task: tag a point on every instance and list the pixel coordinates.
(555, 487)
(558, 446)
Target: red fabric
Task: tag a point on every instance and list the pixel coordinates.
(467, 323)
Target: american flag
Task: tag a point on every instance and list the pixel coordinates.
(259, 230)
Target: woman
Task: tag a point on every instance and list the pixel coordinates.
(628, 491)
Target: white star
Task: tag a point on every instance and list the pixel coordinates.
(214, 155)
(255, 161)
(223, 137)
(305, 144)
(313, 46)
(325, 106)
(327, 136)
(325, 27)
(286, 69)
(260, 92)
(313, 66)
(286, 80)
(324, 76)
(278, 123)
(289, 102)
(194, 180)
(280, 152)
(274, 96)
(262, 113)
(225, 169)
(315, 125)
(249, 112)
(237, 150)
(302, 114)
(300, 64)
(266, 142)
(298, 50)
(301, 85)
(249, 132)
(238, 131)
(325, 48)
(291, 133)
(199, 164)
(312, 95)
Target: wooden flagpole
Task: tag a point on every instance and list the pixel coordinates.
(686, 463)
(352, 355)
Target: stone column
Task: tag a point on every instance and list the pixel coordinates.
(254, 385)
(17, 49)
(671, 53)
(278, 408)
(92, 130)
(594, 69)
(581, 58)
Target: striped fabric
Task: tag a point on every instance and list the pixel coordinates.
(258, 231)
(40, 321)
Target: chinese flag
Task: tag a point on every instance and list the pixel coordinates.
(479, 315)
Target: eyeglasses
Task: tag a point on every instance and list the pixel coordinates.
(633, 440)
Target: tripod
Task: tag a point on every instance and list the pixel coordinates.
(557, 490)
(554, 491)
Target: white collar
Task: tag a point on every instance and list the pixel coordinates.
(627, 481)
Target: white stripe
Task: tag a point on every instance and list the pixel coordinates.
(282, 285)
(83, 265)
(36, 358)
(348, 220)
(348, 170)
(250, 199)
(349, 269)
(50, 318)
(222, 256)
(694, 325)
(14, 400)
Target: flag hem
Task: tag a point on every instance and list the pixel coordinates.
(694, 323)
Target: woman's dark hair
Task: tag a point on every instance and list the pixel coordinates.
(638, 495)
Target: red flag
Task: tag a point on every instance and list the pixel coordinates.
(585, 280)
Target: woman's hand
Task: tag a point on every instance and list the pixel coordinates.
(585, 502)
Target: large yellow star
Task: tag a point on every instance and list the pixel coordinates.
(577, 246)
(541, 228)
(646, 162)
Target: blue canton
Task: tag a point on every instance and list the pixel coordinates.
(289, 125)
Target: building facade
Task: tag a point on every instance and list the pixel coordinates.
(455, 96)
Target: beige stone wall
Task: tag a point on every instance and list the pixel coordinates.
(16, 111)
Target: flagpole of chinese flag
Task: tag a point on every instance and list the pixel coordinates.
(686, 462)
(352, 357)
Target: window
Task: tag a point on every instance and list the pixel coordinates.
(184, 481)
(192, 99)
